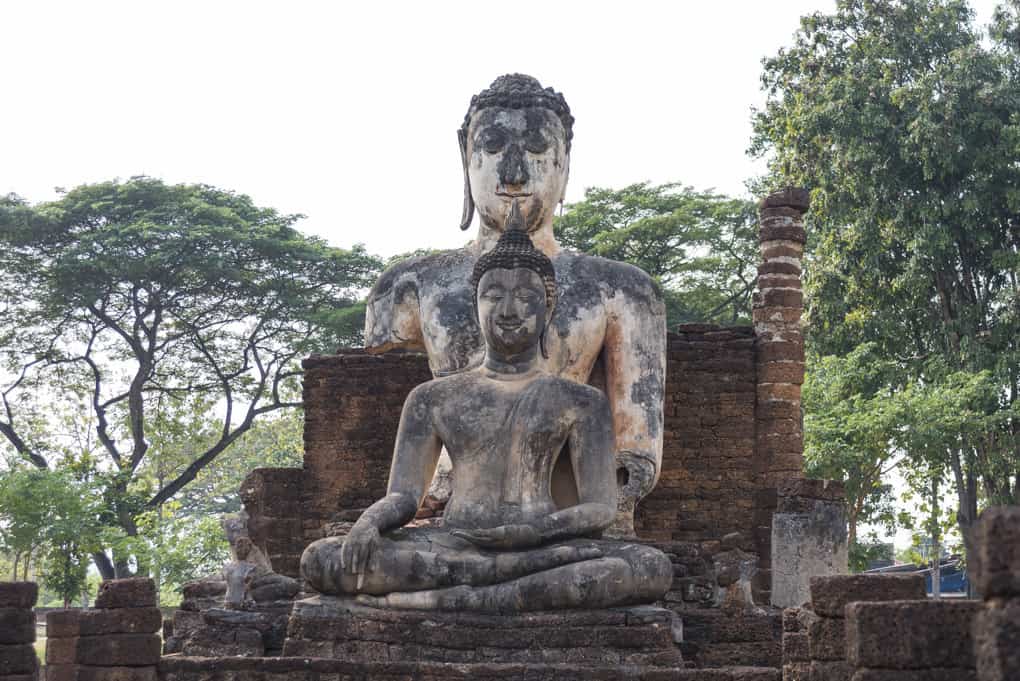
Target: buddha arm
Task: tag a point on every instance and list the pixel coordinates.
(393, 313)
(635, 357)
(591, 455)
(415, 456)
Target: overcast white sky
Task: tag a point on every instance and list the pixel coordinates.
(347, 112)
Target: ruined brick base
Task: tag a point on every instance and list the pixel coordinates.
(338, 628)
(175, 668)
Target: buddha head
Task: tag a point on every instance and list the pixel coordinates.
(515, 291)
(515, 144)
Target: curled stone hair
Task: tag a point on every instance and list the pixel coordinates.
(513, 250)
(518, 91)
(512, 91)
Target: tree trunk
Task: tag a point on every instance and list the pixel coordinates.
(103, 564)
(936, 550)
(966, 514)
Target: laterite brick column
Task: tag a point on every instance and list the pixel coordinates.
(997, 626)
(801, 524)
(780, 342)
(18, 661)
(115, 641)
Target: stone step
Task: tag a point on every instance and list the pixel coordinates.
(178, 668)
(715, 639)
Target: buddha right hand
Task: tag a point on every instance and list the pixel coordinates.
(358, 548)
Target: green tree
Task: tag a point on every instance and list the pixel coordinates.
(56, 515)
(852, 417)
(902, 118)
(702, 247)
(138, 293)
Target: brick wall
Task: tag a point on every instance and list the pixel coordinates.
(708, 481)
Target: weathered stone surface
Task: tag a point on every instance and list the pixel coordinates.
(74, 672)
(61, 672)
(117, 674)
(797, 671)
(796, 647)
(997, 640)
(204, 588)
(107, 650)
(79, 622)
(17, 625)
(804, 545)
(827, 638)
(998, 552)
(18, 658)
(18, 594)
(915, 675)
(796, 198)
(291, 669)
(136, 592)
(911, 634)
(829, 595)
(224, 641)
(830, 671)
(329, 627)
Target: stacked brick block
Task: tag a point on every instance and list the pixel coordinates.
(796, 659)
(18, 661)
(822, 626)
(924, 640)
(780, 342)
(118, 640)
(273, 498)
(997, 625)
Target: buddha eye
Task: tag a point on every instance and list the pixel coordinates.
(493, 294)
(535, 142)
(493, 140)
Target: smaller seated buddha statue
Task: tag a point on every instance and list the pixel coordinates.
(504, 545)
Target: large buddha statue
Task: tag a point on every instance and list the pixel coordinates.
(515, 145)
(505, 544)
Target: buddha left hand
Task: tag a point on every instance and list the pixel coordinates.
(503, 537)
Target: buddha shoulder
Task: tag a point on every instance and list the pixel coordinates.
(433, 268)
(612, 276)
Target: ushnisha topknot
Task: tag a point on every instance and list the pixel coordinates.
(518, 91)
(514, 249)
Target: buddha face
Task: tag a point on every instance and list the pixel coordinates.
(517, 153)
(511, 310)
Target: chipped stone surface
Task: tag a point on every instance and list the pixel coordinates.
(86, 622)
(18, 594)
(135, 592)
(830, 595)
(911, 634)
(997, 538)
(340, 628)
(806, 545)
(997, 640)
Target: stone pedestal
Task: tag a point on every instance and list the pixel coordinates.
(326, 627)
(17, 631)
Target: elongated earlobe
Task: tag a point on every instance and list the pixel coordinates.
(468, 211)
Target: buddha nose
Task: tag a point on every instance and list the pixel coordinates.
(512, 168)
